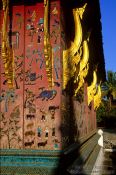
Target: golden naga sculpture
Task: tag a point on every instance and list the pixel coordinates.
(84, 66)
(91, 90)
(72, 56)
(97, 98)
(48, 51)
(7, 52)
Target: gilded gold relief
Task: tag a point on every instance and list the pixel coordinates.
(7, 52)
(84, 66)
(91, 90)
(75, 59)
(97, 98)
(48, 51)
(69, 60)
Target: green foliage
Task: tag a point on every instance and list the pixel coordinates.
(100, 113)
(111, 78)
(113, 112)
(106, 109)
(110, 85)
(104, 112)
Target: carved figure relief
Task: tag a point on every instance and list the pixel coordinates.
(75, 59)
(97, 98)
(92, 88)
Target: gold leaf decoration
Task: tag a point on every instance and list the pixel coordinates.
(48, 51)
(91, 90)
(84, 66)
(97, 98)
(7, 52)
(72, 56)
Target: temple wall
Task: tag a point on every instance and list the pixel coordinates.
(32, 115)
(47, 130)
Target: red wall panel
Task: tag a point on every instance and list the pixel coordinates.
(34, 109)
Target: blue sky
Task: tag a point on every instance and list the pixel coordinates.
(108, 19)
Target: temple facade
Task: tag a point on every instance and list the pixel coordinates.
(51, 58)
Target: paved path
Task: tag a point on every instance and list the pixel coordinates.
(109, 162)
(109, 138)
(106, 160)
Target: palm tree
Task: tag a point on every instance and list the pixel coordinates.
(109, 87)
(106, 112)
